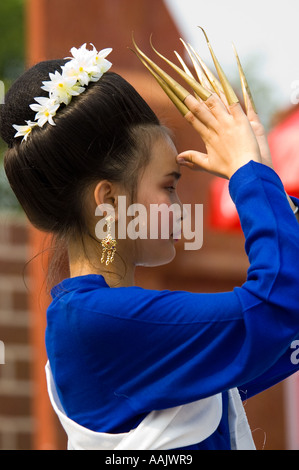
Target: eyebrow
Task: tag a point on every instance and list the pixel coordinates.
(175, 174)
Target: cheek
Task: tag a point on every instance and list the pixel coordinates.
(161, 219)
(158, 246)
(158, 220)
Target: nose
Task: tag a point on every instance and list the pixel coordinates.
(182, 211)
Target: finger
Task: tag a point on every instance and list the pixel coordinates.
(224, 100)
(198, 161)
(236, 111)
(194, 160)
(200, 112)
(251, 112)
(217, 105)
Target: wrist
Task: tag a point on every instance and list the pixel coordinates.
(245, 161)
(250, 172)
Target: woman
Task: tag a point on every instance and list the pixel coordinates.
(131, 368)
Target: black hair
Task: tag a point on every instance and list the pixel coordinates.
(104, 133)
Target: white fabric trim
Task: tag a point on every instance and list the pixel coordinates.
(240, 433)
(172, 428)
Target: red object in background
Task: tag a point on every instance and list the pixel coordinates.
(284, 146)
(223, 214)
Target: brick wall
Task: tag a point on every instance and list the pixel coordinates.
(16, 423)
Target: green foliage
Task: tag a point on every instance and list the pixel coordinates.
(12, 38)
(12, 54)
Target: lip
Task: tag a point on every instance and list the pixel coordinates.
(176, 236)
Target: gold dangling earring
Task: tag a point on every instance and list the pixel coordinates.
(108, 243)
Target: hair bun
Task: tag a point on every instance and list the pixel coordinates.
(21, 94)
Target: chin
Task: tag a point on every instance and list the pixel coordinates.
(160, 257)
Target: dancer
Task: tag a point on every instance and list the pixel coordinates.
(133, 368)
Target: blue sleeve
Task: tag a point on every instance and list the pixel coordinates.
(157, 349)
(286, 365)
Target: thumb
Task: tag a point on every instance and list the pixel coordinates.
(193, 160)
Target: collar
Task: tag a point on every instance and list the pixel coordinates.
(89, 281)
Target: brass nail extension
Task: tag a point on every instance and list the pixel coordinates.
(245, 87)
(203, 80)
(177, 89)
(186, 69)
(227, 88)
(173, 97)
(212, 79)
(197, 88)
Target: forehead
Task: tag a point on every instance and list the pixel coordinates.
(163, 156)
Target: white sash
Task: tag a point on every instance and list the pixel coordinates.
(240, 433)
(172, 428)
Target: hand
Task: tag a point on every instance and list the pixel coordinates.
(227, 134)
(261, 136)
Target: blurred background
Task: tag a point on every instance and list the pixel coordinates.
(267, 39)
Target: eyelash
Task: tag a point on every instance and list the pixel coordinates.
(170, 188)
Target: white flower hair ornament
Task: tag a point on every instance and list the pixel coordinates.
(84, 67)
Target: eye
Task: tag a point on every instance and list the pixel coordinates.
(171, 189)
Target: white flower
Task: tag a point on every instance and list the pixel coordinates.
(46, 110)
(88, 65)
(84, 67)
(79, 65)
(82, 54)
(100, 57)
(61, 87)
(75, 69)
(100, 64)
(24, 131)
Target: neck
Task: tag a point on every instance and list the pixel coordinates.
(84, 260)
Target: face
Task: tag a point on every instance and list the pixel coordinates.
(157, 193)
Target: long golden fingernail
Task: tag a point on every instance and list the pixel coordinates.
(199, 89)
(173, 97)
(203, 80)
(244, 84)
(187, 70)
(185, 67)
(227, 88)
(212, 79)
(177, 89)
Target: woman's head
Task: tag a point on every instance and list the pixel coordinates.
(97, 136)
(106, 133)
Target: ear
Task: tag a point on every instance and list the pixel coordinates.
(103, 193)
(106, 192)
